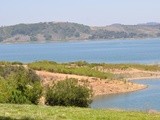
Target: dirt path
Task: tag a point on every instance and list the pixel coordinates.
(100, 87)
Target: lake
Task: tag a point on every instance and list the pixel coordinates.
(144, 100)
(145, 51)
(108, 51)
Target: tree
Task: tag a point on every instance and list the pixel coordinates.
(33, 38)
(19, 85)
(69, 93)
(48, 36)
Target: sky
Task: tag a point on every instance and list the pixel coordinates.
(88, 12)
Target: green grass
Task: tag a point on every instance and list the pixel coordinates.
(69, 68)
(99, 70)
(127, 66)
(32, 112)
(117, 66)
(10, 63)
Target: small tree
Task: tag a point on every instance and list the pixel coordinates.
(69, 93)
(19, 85)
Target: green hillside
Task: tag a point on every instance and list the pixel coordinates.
(64, 31)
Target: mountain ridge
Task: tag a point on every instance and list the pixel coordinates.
(65, 31)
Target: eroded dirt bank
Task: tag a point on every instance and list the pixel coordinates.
(99, 86)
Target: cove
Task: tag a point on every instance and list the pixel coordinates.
(142, 100)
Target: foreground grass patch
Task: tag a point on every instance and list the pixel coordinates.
(33, 112)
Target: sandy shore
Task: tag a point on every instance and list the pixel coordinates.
(135, 74)
(99, 87)
(143, 78)
(104, 87)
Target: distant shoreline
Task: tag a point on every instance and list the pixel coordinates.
(79, 40)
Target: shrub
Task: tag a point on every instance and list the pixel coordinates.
(17, 97)
(69, 93)
(5, 90)
(19, 85)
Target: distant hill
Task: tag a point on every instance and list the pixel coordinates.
(58, 31)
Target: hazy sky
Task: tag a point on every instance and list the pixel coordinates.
(90, 12)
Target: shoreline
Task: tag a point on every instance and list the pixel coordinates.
(130, 80)
(144, 87)
(143, 78)
(99, 87)
(138, 88)
(76, 40)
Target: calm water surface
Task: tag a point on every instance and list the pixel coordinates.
(140, 100)
(111, 51)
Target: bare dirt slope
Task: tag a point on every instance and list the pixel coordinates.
(100, 87)
(131, 74)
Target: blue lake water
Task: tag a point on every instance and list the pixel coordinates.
(144, 100)
(109, 51)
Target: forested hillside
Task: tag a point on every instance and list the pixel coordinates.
(58, 31)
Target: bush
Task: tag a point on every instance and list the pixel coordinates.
(68, 93)
(5, 90)
(19, 85)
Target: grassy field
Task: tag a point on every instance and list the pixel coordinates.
(127, 66)
(103, 71)
(32, 112)
(81, 68)
(99, 70)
